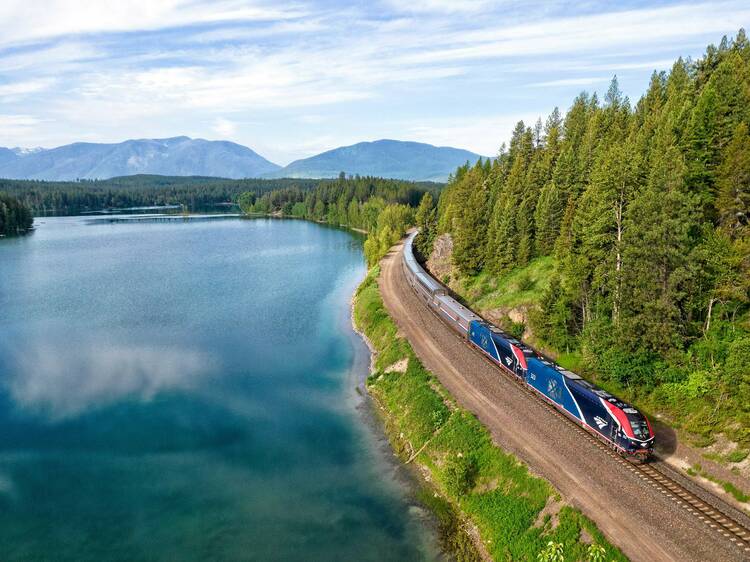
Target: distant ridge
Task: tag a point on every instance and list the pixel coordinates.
(183, 156)
(383, 158)
(176, 156)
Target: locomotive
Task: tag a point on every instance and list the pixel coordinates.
(618, 424)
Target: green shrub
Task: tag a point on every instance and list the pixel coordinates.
(515, 329)
(525, 282)
(737, 455)
(460, 474)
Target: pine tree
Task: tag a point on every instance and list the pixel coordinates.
(470, 224)
(656, 249)
(547, 218)
(733, 183)
(723, 104)
(426, 221)
(599, 224)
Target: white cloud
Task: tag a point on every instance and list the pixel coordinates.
(204, 67)
(584, 33)
(572, 82)
(15, 89)
(23, 21)
(224, 127)
(50, 59)
(61, 382)
(17, 126)
(441, 6)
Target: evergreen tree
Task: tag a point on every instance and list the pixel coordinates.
(547, 218)
(426, 220)
(733, 182)
(470, 224)
(656, 249)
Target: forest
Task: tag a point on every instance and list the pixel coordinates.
(639, 215)
(15, 217)
(382, 207)
(194, 193)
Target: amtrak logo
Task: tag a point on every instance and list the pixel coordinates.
(485, 341)
(508, 361)
(600, 422)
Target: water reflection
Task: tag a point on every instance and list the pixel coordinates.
(59, 381)
(179, 391)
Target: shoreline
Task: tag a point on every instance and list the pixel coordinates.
(448, 523)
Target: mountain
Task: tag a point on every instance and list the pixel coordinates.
(382, 158)
(183, 156)
(177, 156)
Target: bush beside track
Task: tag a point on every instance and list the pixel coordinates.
(470, 479)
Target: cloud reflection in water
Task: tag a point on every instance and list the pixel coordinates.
(59, 382)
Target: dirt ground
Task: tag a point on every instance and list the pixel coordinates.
(645, 524)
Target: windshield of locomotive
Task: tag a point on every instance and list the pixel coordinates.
(640, 429)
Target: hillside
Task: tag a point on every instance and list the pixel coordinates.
(383, 158)
(177, 156)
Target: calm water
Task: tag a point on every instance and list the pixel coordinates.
(186, 391)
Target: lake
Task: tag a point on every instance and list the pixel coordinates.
(187, 390)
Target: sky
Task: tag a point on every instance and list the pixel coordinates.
(291, 79)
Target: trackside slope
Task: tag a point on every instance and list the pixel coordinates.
(515, 513)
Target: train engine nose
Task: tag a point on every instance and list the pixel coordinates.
(641, 443)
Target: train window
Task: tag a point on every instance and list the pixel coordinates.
(640, 429)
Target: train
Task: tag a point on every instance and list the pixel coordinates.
(616, 423)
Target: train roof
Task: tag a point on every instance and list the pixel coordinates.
(466, 313)
(425, 278)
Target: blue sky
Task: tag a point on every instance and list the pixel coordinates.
(290, 79)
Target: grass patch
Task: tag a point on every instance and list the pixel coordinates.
(522, 286)
(728, 487)
(472, 478)
(738, 455)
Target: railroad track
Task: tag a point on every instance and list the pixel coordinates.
(656, 476)
(715, 517)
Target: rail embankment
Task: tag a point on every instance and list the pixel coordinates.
(488, 503)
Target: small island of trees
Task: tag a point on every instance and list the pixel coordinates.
(15, 217)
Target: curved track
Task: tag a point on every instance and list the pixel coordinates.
(715, 514)
(668, 525)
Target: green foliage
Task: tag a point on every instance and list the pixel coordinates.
(553, 552)
(472, 477)
(15, 216)
(596, 553)
(737, 455)
(426, 221)
(193, 192)
(644, 213)
(391, 225)
(469, 225)
(460, 474)
(733, 183)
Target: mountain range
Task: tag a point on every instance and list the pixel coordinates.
(183, 156)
